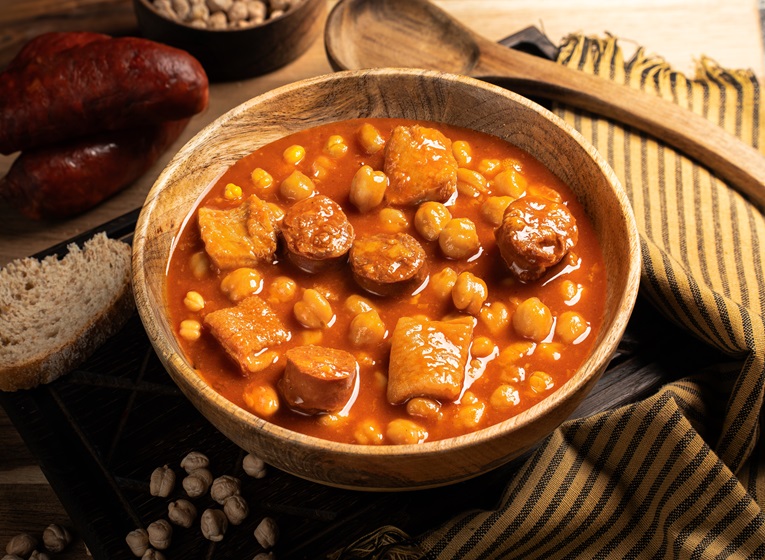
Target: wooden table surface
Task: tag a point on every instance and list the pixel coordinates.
(680, 30)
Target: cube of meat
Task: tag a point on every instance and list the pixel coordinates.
(420, 166)
(238, 237)
(428, 359)
(246, 330)
(318, 379)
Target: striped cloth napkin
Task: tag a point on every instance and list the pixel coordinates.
(679, 475)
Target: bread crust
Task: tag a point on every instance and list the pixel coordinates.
(51, 363)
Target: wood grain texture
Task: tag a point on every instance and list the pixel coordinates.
(440, 97)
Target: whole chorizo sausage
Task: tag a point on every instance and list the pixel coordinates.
(67, 179)
(48, 44)
(102, 85)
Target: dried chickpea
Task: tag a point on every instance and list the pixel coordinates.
(223, 487)
(367, 188)
(160, 534)
(482, 347)
(571, 327)
(194, 460)
(493, 209)
(197, 483)
(262, 179)
(21, 545)
(214, 524)
(510, 182)
(263, 400)
(358, 304)
(424, 408)
(254, 466)
(462, 152)
(496, 316)
(241, 283)
(200, 264)
(282, 289)
(267, 533)
(469, 293)
(571, 292)
(313, 310)
(190, 330)
(430, 219)
(293, 154)
(402, 432)
(194, 301)
(162, 481)
(533, 320)
(296, 186)
(182, 513)
(393, 220)
(504, 397)
(336, 146)
(56, 538)
(539, 381)
(232, 192)
(368, 432)
(370, 139)
(489, 167)
(367, 329)
(459, 239)
(470, 183)
(443, 282)
(137, 540)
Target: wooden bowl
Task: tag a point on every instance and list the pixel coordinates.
(235, 54)
(413, 94)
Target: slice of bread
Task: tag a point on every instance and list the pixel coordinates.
(55, 313)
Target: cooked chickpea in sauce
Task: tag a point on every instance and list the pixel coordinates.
(387, 281)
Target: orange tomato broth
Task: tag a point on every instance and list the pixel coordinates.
(583, 266)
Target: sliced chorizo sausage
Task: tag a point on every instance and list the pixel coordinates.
(388, 263)
(317, 233)
(318, 379)
(535, 234)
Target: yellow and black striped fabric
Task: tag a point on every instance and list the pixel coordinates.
(679, 475)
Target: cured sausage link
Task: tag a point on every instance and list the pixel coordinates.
(102, 85)
(64, 180)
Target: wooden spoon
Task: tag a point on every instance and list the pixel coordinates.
(417, 34)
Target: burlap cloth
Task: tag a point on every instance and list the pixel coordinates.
(679, 475)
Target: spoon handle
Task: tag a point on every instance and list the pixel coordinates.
(731, 159)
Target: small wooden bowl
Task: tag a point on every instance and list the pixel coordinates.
(413, 94)
(236, 54)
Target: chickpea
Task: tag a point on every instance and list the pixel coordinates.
(313, 310)
(546, 192)
(392, 220)
(539, 381)
(368, 188)
(190, 330)
(293, 154)
(515, 352)
(470, 183)
(424, 408)
(513, 374)
(263, 400)
(550, 351)
(367, 329)
(262, 179)
(370, 139)
(459, 239)
(232, 192)
(297, 186)
(381, 380)
(357, 304)
(482, 347)
(469, 293)
(493, 209)
(462, 152)
(496, 316)
(330, 420)
(504, 397)
(510, 182)
(259, 362)
(368, 433)
(194, 301)
(489, 167)
(282, 289)
(336, 146)
(321, 167)
(430, 219)
(513, 163)
(312, 336)
(470, 414)
(571, 292)
(443, 282)
(571, 327)
(200, 264)
(533, 320)
(241, 283)
(405, 432)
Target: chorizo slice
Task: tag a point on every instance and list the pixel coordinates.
(388, 263)
(535, 234)
(420, 166)
(428, 358)
(318, 379)
(317, 233)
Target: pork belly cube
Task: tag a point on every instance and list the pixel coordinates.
(428, 359)
(246, 330)
(238, 237)
(420, 166)
(318, 379)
